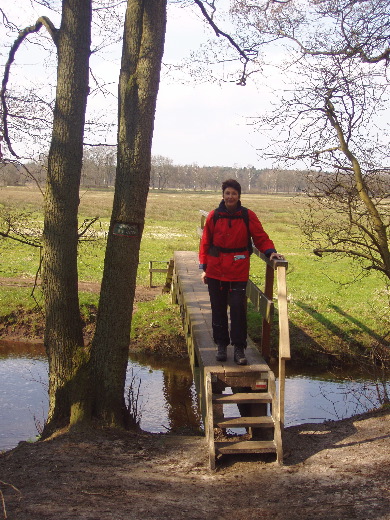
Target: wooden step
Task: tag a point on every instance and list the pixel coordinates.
(245, 447)
(246, 422)
(241, 398)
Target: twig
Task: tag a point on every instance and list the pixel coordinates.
(3, 504)
(2, 496)
(36, 284)
(22, 241)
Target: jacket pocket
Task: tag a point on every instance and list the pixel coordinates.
(236, 266)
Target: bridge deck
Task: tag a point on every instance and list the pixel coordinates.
(212, 378)
(198, 316)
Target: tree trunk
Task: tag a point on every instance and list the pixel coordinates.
(143, 45)
(63, 330)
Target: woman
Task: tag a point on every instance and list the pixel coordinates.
(224, 257)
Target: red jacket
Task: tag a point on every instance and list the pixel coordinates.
(231, 234)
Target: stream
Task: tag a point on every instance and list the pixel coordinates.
(164, 393)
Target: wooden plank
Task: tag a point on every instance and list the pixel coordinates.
(275, 410)
(168, 282)
(156, 270)
(264, 421)
(272, 263)
(245, 447)
(282, 390)
(241, 398)
(255, 364)
(197, 305)
(284, 339)
(266, 328)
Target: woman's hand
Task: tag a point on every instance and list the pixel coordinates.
(276, 256)
(204, 277)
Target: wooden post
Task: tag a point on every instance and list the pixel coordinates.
(284, 337)
(209, 420)
(150, 273)
(168, 281)
(266, 327)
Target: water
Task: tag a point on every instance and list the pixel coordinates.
(315, 400)
(23, 401)
(167, 398)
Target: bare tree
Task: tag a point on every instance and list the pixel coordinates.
(161, 172)
(329, 122)
(63, 330)
(347, 29)
(73, 397)
(99, 166)
(331, 116)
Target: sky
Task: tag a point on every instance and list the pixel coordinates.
(203, 123)
(196, 123)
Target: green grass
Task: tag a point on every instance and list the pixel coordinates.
(157, 328)
(159, 313)
(330, 307)
(12, 298)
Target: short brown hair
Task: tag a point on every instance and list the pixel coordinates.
(231, 183)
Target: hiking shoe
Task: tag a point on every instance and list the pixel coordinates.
(239, 356)
(221, 353)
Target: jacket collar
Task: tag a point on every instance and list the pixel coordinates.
(222, 206)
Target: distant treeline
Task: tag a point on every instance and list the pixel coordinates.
(165, 175)
(100, 165)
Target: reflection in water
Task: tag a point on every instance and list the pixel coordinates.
(180, 395)
(169, 401)
(167, 394)
(16, 349)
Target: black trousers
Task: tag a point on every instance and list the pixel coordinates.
(233, 294)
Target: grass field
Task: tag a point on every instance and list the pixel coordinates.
(331, 307)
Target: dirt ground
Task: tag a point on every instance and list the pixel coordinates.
(334, 471)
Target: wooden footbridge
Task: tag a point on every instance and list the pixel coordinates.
(243, 400)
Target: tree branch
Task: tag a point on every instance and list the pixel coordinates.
(22, 241)
(86, 225)
(243, 53)
(30, 174)
(351, 252)
(347, 52)
(42, 21)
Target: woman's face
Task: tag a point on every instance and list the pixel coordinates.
(231, 198)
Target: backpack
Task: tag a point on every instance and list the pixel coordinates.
(245, 216)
